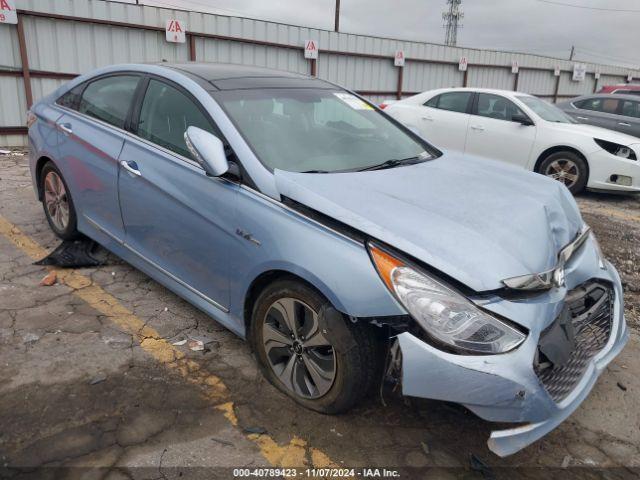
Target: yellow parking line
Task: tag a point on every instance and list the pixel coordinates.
(294, 454)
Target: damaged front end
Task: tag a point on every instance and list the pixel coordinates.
(571, 332)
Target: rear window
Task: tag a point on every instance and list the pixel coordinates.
(451, 101)
(628, 92)
(599, 104)
(109, 99)
(72, 97)
(631, 109)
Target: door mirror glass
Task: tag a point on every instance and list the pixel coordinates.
(207, 150)
(521, 118)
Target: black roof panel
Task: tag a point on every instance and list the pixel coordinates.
(243, 83)
(212, 72)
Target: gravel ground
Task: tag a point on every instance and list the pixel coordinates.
(616, 221)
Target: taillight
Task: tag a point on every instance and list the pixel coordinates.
(31, 118)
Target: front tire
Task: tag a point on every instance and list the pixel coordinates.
(566, 167)
(328, 370)
(57, 203)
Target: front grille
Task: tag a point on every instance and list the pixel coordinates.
(590, 310)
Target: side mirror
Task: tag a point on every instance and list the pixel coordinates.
(207, 150)
(522, 119)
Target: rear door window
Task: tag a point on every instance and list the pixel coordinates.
(165, 116)
(451, 101)
(631, 109)
(599, 104)
(72, 97)
(109, 99)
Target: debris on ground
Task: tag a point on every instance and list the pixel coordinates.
(199, 344)
(622, 386)
(223, 442)
(30, 337)
(179, 343)
(196, 345)
(425, 447)
(333, 430)
(76, 254)
(5, 152)
(479, 466)
(566, 461)
(49, 279)
(256, 430)
(98, 379)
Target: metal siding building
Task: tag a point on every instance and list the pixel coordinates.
(63, 38)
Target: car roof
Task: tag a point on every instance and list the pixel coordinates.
(506, 93)
(630, 86)
(615, 96)
(229, 76)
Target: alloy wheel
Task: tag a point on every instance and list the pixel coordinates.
(56, 201)
(297, 351)
(564, 171)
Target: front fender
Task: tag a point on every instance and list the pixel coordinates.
(339, 267)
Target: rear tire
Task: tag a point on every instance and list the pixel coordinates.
(57, 203)
(566, 167)
(347, 367)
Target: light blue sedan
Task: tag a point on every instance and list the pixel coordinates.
(342, 245)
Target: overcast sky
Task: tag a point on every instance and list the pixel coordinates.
(532, 26)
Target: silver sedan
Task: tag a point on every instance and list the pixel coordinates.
(612, 111)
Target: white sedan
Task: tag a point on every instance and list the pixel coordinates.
(523, 130)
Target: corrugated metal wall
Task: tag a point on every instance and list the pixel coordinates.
(58, 39)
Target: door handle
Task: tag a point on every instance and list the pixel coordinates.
(624, 124)
(66, 128)
(479, 128)
(130, 167)
(582, 118)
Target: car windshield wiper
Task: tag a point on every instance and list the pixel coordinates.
(394, 162)
(315, 171)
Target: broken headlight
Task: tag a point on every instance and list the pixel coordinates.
(443, 313)
(616, 149)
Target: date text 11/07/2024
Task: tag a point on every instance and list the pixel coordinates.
(316, 473)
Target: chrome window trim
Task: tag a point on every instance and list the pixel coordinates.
(156, 266)
(131, 135)
(89, 117)
(149, 143)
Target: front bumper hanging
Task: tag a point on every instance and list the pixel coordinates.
(525, 385)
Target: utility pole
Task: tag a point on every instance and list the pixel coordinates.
(337, 23)
(573, 51)
(452, 18)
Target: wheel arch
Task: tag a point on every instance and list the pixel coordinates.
(269, 276)
(560, 148)
(40, 163)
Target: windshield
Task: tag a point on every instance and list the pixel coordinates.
(316, 130)
(545, 110)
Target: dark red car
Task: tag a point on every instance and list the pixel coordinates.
(626, 88)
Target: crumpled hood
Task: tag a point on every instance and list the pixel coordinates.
(476, 220)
